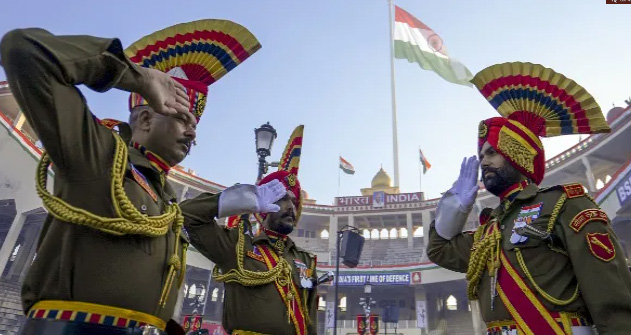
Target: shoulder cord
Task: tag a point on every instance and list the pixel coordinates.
(522, 264)
(128, 219)
(281, 273)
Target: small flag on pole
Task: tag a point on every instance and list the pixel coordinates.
(424, 161)
(346, 166)
(418, 43)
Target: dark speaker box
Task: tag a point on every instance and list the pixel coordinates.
(351, 248)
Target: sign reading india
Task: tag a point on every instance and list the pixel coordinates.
(623, 189)
(367, 200)
(375, 279)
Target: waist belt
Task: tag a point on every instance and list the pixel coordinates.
(93, 313)
(565, 320)
(245, 332)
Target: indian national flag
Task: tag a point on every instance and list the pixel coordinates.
(418, 43)
(424, 161)
(346, 166)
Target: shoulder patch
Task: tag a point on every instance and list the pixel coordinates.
(574, 190)
(601, 246)
(586, 216)
(109, 123)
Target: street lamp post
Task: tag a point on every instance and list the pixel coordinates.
(367, 302)
(264, 136)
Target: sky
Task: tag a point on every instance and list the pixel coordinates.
(326, 64)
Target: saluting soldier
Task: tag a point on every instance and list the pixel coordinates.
(110, 259)
(269, 281)
(546, 260)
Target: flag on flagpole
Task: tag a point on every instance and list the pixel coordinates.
(424, 161)
(418, 43)
(346, 166)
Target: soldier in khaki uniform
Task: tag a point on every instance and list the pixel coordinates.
(546, 260)
(110, 259)
(269, 281)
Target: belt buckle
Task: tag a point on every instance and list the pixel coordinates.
(150, 330)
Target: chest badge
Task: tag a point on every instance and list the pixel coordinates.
(527, 215)
(305, 274)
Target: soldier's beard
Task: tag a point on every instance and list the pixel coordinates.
(501, 179)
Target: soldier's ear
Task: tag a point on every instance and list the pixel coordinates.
(145, 118)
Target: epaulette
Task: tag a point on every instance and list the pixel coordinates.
(573, 190)
(310, 254)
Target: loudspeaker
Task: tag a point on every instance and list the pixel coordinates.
(351, 248)
(391, 314)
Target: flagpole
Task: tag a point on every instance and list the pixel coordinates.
(395, 143)
(420, 171)
(339, 173)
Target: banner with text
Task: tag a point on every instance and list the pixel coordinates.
(379, 199)
(623, 190)
(401, 278)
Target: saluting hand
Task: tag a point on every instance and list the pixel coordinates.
(165, 95)
(466, 186)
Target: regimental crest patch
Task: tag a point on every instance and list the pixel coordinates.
(586, 216)
(601, 246)
(255, 253)
(574, 190)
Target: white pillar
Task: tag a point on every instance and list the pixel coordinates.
(351, 220)
(333, 228)
(184, 191)
(12, 237)
(591, 182)
(419, 295)
(410, 230)
(426, 219)
(476, 316)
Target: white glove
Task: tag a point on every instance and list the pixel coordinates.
(455, 205)
(249, 199)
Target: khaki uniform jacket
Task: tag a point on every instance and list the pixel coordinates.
(605, 286)
(75, 262)
(251, 308)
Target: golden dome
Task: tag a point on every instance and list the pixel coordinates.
(381, 179)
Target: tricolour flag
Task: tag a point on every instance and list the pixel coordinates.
(418, 43)
(424, 161)
(346, 166)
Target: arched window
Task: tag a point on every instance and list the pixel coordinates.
(394, 233)
(607, 179)
(384, 234)
(599, 184)
(367, 234)
(343, 304)
(185, 289)
(403, 233)
(191, 291)
(202, 292)
(215, 294)
(452, 303)
(324, 234)
(321, 304)
(374, 234)
(418, 232)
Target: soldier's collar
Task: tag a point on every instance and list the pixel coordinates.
(520, 191)
(156, 161)
(263, 237)
(513, 191)
(138, 160)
